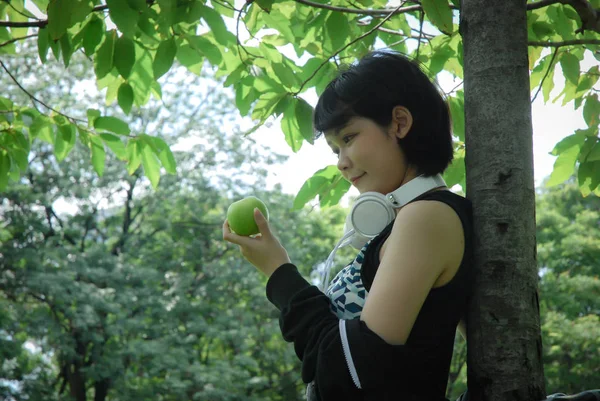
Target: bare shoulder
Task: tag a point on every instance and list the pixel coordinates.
(427, 215)
(424, 251)
(429, 225)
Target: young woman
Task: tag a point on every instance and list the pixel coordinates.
(385, 328)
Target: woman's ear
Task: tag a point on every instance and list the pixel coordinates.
(402, 121)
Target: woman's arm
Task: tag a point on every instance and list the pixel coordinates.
(427, 240)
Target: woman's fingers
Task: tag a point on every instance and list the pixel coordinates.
(230, 236)
(261, 222)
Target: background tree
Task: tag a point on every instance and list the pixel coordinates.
(133, 293)
(568, 243)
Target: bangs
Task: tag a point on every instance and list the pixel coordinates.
(332, 111)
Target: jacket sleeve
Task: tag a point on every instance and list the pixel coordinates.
(319, 337)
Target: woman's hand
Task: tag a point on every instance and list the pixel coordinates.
(264, 251)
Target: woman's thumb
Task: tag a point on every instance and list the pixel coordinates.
(261, 221)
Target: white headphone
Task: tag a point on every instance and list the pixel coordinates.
(373, 211)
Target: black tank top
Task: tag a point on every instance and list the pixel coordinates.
(435, 327)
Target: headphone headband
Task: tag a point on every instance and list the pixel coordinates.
(373, 211)
(414, 188)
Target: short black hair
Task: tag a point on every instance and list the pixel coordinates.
(372, 88)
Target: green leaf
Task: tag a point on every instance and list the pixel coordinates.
(151, 167)
(290, 127)
(327, 183)
(440, 14)
(244, 97)
(112, 124)
(304, 117)
(124, 17)
(568, 142)
(570, 66)
(591, 111)
(206, 47)
(58, 20)
(217, 26)
(457, 113)
(548, 83)
(142, 77)
(63, 14)
(92, 37)
(115, 144)
(104, 58)
(190, 58)
(43, 44)
(588, 177)
(137, 4)
(92, 115)
(587, 147)
(98, 154)
(20, 156)
(66, 48)
(266, 5)
(455, 173)
(64, 140)
(266, 104)
(285, 75)
(165, 55)
(4, 170)
(276, 20)
(125, 97)
(124, 56)
(564, 166)
(338, 30)
(162, 150)
(134, 156)
(542, 29)
(42, 128)
(332, 195)
(594, 154)
(15, 14)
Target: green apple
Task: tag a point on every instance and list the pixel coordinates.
(240, 215)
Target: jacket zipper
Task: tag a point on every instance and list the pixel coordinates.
(347, 354)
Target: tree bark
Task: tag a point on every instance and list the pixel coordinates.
(503, 324)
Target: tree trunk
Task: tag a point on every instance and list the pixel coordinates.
(504, 340)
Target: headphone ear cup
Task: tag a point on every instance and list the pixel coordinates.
(371, 213)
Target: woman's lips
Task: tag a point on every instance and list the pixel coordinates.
(355, 179)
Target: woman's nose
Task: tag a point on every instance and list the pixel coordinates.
(343, 161)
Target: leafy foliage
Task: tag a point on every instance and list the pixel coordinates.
(134, 43)
(132, 294)
(568, 242)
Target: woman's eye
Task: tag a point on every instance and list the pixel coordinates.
(347, 138)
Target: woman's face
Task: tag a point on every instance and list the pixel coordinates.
(369, 157)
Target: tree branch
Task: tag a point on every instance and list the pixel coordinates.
(392, 32)
(541, 4)
(375, 13)
(8, 42)
(575, 42)
(545, 75)
(349, 44)
(117, 247)
(35, 99)
(41, 23)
